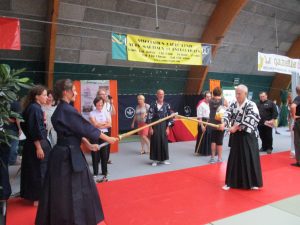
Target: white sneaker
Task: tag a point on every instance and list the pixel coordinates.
(212, 161)
(254, 188)
(154, 163)
(166, 162)
(225, 187)
(292, 154)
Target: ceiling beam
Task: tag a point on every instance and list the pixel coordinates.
(283, 81)
(222, 17)
(53, 9)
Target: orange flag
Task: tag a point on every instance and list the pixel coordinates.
(213, 84)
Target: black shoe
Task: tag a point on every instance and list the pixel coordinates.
(269, 151)
(276, 132)
(109, 162)
(262, 150)
(297, 164)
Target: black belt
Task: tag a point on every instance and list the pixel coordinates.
(72, 144)
(64, 141)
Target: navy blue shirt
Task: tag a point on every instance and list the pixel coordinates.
(68, 122)
(155, 114)
(34, 125)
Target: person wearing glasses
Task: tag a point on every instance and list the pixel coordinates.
(110, 108)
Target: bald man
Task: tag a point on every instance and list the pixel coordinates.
(295, 111)
(268, 113)
(159, 150)
(243, 166)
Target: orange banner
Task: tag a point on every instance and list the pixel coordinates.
(213, 84)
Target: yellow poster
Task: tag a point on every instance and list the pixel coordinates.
(156, 50)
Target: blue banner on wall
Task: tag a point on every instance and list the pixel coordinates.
(119, 47)
(183, 104)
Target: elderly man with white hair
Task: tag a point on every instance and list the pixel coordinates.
(243, 166)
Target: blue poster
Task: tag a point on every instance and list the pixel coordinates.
(119, 48)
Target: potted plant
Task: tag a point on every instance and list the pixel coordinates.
(10, 85)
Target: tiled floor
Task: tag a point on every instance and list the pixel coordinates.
(284, 212)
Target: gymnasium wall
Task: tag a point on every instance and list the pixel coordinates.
(137, 80)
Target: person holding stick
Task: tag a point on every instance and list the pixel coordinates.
(243, 166)
(69, 194)
(203, 143)
(159, 151)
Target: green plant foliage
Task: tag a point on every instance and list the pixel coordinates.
(10, 85)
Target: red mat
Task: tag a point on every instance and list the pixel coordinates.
(190, 196)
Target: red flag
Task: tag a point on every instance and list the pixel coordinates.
(10, 34)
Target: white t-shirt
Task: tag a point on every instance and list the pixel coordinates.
(101, 116)
(203, 110)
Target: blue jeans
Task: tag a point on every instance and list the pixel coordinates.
(13, 150)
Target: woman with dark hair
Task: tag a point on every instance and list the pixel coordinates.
(36, 147)
(101, 120)
(70, 194)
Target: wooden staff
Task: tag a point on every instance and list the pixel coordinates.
(148, 125)
(121, 136)
(199, 143)
(206, 123)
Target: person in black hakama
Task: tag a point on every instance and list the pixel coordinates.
(36, 148)
(70, 195)
(295, 112)
(243, 166)
(204, 133)
(159, 151)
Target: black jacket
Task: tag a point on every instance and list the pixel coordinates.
(267, 111)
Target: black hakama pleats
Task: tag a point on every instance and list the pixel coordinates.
(159, 150)
(70, 195)
(33, 170)
(243, 166)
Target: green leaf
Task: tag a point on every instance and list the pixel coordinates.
(23, 80)
(13, 137)
(16, 72)
(11, 94)
(27, 86)
(4, 71)
(10, 84)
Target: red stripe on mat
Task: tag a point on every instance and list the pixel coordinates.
(189, 196)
